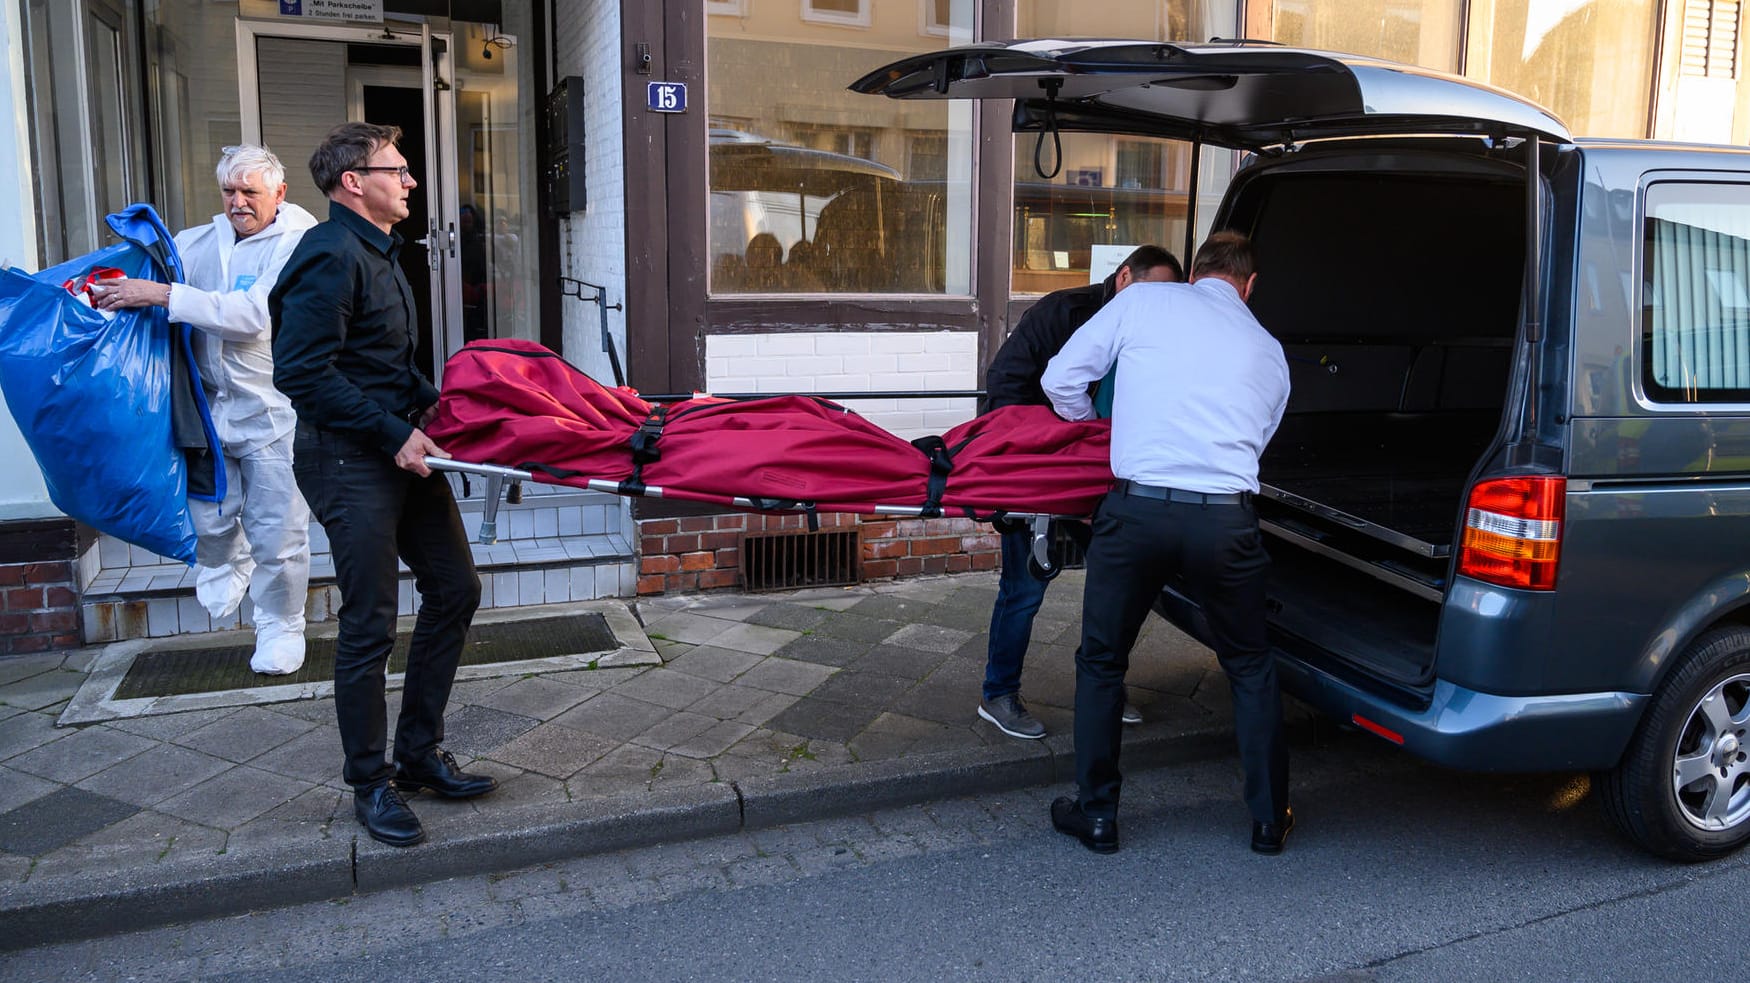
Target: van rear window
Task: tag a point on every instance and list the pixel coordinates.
(1695, 293)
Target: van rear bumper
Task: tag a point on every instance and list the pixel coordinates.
(1465, 729)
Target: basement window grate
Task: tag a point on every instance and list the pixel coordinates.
(789, 560)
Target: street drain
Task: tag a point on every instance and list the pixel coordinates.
(181, 671)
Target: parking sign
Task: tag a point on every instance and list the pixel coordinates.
(667, 97)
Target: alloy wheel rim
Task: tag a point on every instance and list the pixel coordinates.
(1710, 772)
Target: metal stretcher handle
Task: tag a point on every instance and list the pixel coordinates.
(496, 477)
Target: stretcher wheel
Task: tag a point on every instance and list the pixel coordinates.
(1042, 574)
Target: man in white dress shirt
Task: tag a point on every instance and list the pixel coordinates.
(1202, 387)
(258, 538)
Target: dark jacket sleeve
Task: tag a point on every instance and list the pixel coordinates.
(310, 308)
(1012, 378)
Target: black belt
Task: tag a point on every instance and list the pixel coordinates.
(1136, 489)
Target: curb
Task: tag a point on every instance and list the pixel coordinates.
(145, 898)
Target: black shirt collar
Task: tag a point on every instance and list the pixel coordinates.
(383, 242)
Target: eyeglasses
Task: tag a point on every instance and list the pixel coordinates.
(401, 173)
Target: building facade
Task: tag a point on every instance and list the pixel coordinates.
(767, 231)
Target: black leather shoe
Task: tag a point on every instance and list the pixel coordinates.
(384, 815)
(439, 773)
(1098, 835)
(1268, 837)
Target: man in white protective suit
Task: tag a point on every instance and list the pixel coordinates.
(258, 538)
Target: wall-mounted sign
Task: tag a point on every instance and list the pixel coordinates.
(666, 97)
(363, 10)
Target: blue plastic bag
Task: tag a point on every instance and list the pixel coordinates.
(93, 392)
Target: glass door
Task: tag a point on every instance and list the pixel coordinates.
(298, 81)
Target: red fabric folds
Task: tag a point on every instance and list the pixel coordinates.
(515, 403)
(1026, 459)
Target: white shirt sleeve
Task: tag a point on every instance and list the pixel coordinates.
(234, 315)
(1084, 359)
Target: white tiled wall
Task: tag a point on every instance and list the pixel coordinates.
(593, 241)
(826, 362)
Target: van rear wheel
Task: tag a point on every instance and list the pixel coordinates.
(1683, 789)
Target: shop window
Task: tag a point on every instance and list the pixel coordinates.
(87, 134)
(1416, 32)
(1589, 61)
(1695, 303)
(1104, 195)
(815, 189)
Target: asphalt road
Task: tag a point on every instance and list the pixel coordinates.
(1398, 871)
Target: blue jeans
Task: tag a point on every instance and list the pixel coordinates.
(1019, 595)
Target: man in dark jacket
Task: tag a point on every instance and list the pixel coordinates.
(344, 337)
(1013, 379)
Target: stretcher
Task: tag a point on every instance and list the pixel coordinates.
(513, 411)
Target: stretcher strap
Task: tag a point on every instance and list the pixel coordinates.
(644, 446)
(941, 464)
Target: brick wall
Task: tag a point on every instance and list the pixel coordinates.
(704, 552)
(41, 610)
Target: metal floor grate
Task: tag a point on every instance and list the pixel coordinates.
(179, 671)
(788, 560)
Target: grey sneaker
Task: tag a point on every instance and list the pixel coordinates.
(1011, 717)
(1131, 714)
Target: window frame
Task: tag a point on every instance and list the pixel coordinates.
(1657, 394)
(862, 18)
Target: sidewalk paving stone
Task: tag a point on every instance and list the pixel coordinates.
(826, 650)
(930, 638)
(667, 688)
(857, 627)
(716, 664)
(475, 729)
(155, 775)
(782, 675)
(17, 788)
(771, 703)
(795, 617)
(684, 626)
(79, 755)
(612, 715)
(729, 701)
(57, 819)
(557, 752)
(674, 729)
(43, 689)
(234, 797)
(714, 740)
(537, 697)
(248, 733)
(26, 732)
(25, 666)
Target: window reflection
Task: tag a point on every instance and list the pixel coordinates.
(816, 189)
(1589, 61)
(1111, 193)
(1416, 32)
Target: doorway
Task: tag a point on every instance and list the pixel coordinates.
(462, 252)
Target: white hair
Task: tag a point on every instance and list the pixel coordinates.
(241, 161)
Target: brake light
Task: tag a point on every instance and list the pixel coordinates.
(1513, 532)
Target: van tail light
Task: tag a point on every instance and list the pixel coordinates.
(1513, 532)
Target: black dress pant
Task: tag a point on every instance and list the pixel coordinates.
(375, 513)
(1139, 544)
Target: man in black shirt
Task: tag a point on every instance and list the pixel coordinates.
(1013, 380)
(345, 330)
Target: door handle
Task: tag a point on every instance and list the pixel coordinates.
(450, 240)
(435, 245)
